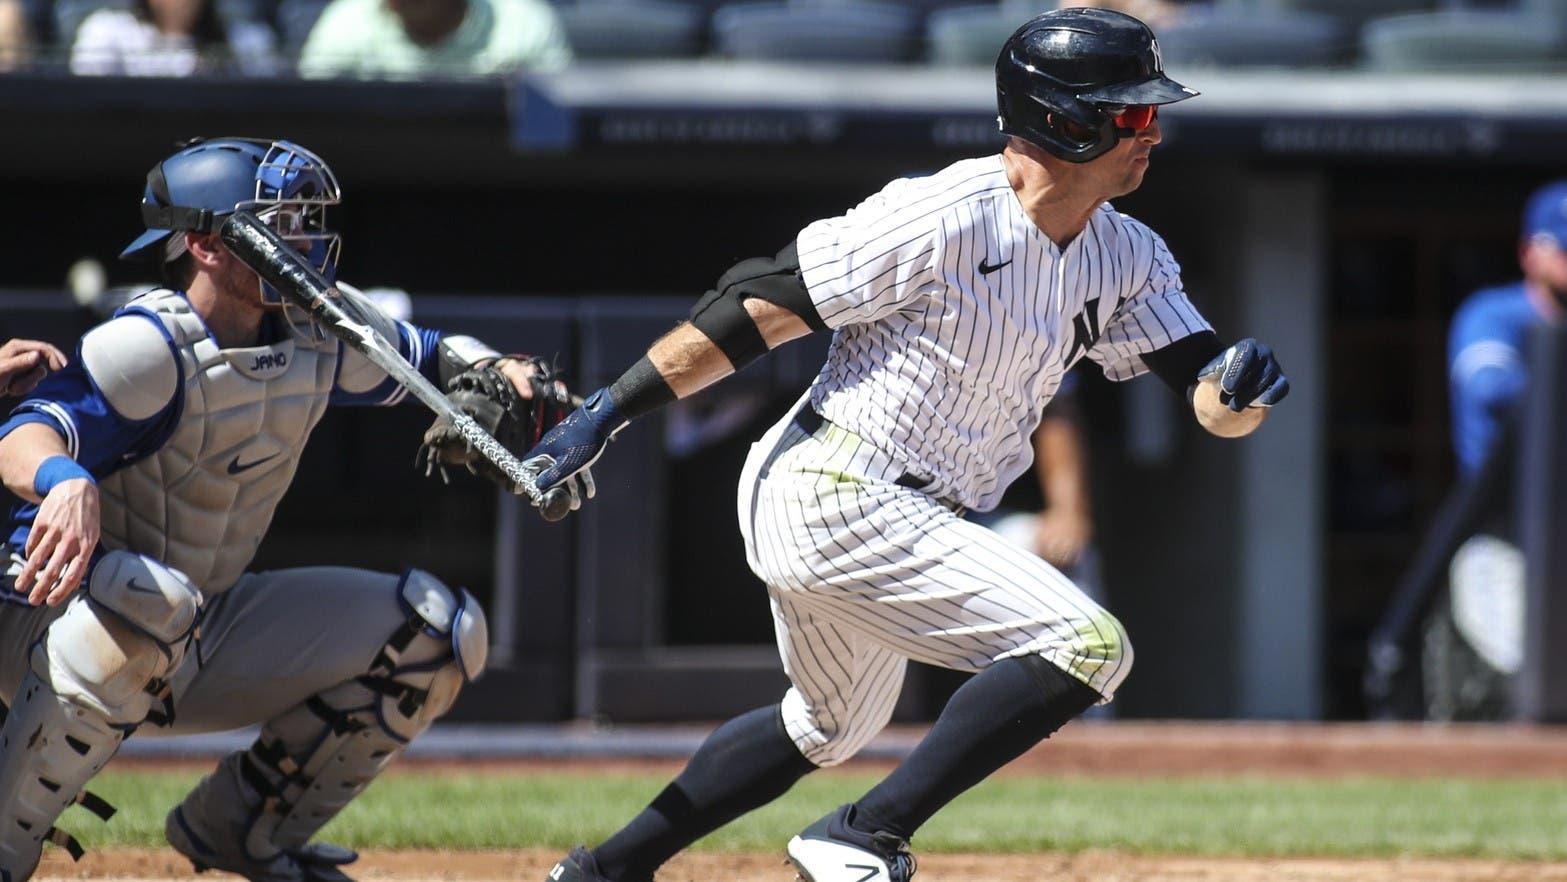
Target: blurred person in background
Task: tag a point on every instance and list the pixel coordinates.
(16, 39)
(419, 38)
(1058, 526)
(24, 362)
(1049, 512)
(1474, 646)
(170, 38)
(1154, 12)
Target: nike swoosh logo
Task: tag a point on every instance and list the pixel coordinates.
(987, 268)
(870, 871)
(235, 467)
(131, 584)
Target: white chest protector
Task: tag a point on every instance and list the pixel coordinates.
(202, 502)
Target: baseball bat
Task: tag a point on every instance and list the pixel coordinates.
(266, 252)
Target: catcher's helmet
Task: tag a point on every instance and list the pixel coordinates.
(1077, 69)
(207, 180)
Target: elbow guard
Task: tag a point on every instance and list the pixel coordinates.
(721, 315)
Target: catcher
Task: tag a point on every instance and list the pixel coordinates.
(150, 467)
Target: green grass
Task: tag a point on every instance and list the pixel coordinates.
(1211, 816)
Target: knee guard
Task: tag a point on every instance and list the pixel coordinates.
(262, 805)
(96, 674)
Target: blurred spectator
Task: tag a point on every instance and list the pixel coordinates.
(1156, 13)
(16, 41)
(170, 38)
(1474, 644)
(416, 38)
(1058, 527)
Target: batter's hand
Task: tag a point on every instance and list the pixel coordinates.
(1247, 375)
(61, 543)
(24, 362)
(562, 457)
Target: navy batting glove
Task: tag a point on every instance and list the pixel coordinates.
(1248, 376)
(563, 455)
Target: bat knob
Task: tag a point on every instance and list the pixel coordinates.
(555, 505)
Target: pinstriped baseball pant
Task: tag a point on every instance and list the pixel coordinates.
(865, 574)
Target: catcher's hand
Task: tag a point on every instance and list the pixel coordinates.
(515, 414)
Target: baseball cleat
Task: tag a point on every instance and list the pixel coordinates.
(832, 851)
(314, 862)
(579, 866)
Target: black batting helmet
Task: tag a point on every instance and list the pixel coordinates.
(1072, 71)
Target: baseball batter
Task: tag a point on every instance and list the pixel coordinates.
(957, 301)
(150, 467)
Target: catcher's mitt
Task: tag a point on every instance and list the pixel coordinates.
(486, 394)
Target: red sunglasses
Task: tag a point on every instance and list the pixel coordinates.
(1137, 117)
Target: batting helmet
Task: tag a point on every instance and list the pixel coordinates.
(1063, 77)
(207, 180)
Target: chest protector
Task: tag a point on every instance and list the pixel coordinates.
(202, 502)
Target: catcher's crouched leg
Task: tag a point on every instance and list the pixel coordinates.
(254, 815)
(97, 672)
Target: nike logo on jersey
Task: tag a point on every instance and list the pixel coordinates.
(235, 467)
(986, 268)
(870, 871)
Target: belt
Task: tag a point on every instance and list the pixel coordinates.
(808, 421)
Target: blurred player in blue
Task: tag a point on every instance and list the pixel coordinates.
(1470, 665)
(1487, 365)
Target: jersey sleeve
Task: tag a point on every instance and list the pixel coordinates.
(114, 401)
(1155, 315)
(870, 262)
(360, 382)
(1487, 376)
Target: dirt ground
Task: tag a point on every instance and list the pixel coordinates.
(1092, 749)
(531, 866)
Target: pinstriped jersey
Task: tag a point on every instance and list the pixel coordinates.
(955, 319)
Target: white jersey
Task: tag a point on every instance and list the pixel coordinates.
(956, 319)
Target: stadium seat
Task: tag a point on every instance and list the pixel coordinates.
(633, 29)
(1555, 10)
(1224, 37)
(1351, 13)
(295, 18)
(968, 34)
(1463, 40)
(817, 30)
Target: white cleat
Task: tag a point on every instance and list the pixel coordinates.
(830, 850)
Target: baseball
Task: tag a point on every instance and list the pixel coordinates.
(1219, 419)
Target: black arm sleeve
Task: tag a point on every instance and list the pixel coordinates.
(721, 315)
(1177, 364)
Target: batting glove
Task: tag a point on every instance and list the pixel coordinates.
(1248, 376)
(562, 457)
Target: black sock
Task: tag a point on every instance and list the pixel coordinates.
(749, 762)
(1002, 712)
